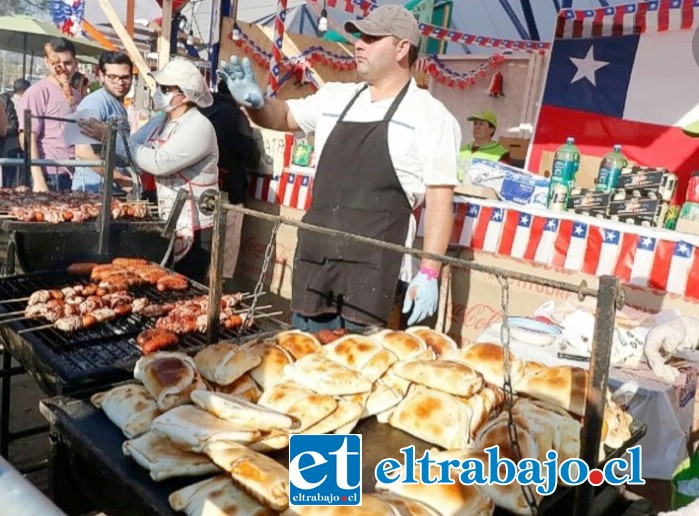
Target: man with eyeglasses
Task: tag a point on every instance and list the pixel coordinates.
(384, 147)
(115, 75)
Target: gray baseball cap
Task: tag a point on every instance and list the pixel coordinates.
(388, 20)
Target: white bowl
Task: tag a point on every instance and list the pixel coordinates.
(533, 331)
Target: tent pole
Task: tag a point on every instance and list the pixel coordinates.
(529, 18)
(24, 55)
(31, 64)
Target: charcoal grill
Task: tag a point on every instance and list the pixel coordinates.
(64, 362)
(41, 246)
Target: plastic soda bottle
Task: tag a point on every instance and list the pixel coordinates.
(565, 166)
(610, 170)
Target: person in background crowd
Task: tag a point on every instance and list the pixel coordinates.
(51, 96)
(18, 88)
(81, 83)
(9, 144)
(483, 146)
(115, 74)
(238, 155)
(178, 147)
(384, 147)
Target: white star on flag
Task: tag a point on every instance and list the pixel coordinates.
(683, 248)
(587, 67)
(525, 219)
(551, 224)
(647, 242)
(579, 230)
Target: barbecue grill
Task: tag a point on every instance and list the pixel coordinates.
(40, 246)
(64, 362)
(98, 466)
(43, 246)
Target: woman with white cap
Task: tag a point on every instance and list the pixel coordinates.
(178, 147)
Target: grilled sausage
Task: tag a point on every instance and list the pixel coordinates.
(233, 322)
(122, 310)
(81, 269)
(326, 336)
(146, 335)
(125, 262)
(153, 339)
(172, 282)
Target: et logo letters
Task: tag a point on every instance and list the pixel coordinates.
(325, 469)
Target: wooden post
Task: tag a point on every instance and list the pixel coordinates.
(164, 40)
(128, 42)
(129, 16)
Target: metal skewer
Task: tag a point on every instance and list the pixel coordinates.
(244, 310)
(12, 313)
(17, 300)
(268, 314)
(248, 295)
(17, 319)
(44, 327)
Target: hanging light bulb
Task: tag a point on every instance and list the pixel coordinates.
(235, 35)
(323, 21)
(190, 38)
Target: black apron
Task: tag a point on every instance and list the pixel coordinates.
(355, 190)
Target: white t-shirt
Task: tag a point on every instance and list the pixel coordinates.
(423, 138)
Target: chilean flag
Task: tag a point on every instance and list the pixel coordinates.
(303, 201)
(643, 261)
(608, 252)
(492, 233)
(544, 250)
(638, 90)
(272, 193)
(576, 247)
(679, 267)
(466, 237)
(290, 190)
(459, 209)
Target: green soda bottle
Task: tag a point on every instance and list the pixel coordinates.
(565, 166)
(610, 170)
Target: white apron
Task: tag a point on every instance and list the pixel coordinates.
(194, 180)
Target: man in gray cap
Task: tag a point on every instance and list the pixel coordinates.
(384, 146)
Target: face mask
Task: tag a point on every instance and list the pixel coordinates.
(161, 101)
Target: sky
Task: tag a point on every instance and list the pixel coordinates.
(480, 17)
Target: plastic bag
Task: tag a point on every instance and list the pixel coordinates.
(685, 482)
(302, 155)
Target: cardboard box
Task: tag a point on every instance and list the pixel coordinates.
(517, 147)
(687, 226)
(588, 199)
(481, 192)
(632, 178)
(634, 206)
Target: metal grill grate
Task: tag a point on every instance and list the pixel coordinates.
(107, 350)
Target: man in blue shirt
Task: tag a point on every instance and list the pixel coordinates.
(115, 74)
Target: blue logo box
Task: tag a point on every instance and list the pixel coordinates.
(325, 469)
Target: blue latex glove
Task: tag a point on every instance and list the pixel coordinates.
(422, 296)
(241, 82)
